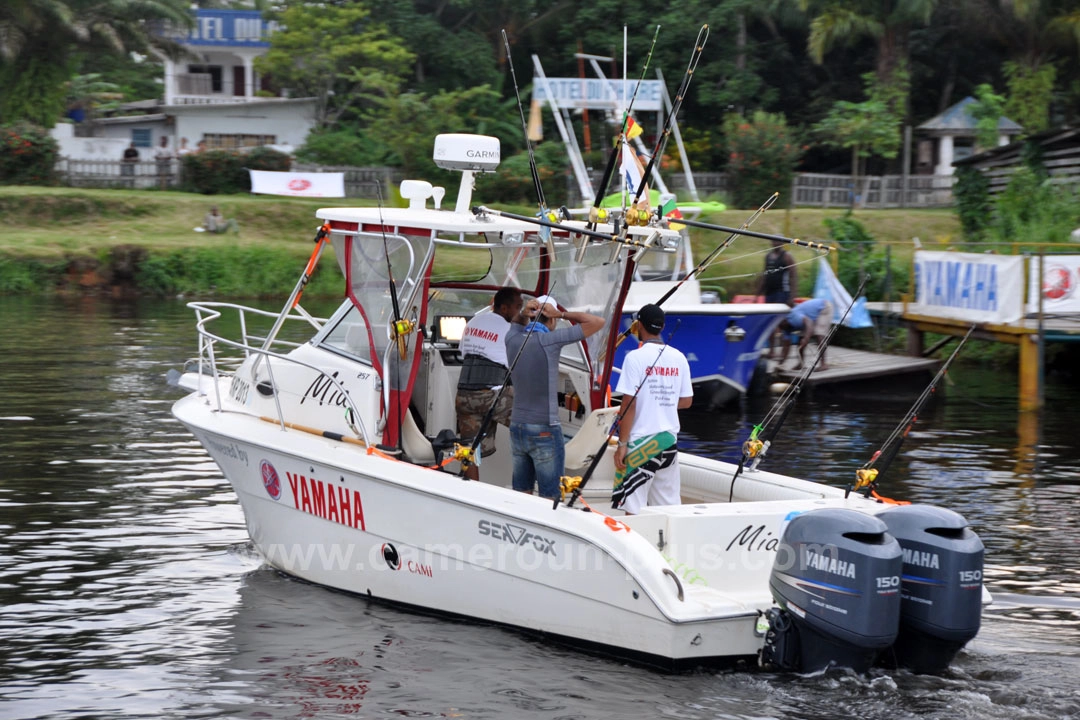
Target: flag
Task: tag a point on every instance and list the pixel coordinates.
(536, 122)
(632, 128)
(828, 286)
(633, 172)
(670, 210)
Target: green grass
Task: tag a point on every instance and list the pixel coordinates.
(45, 228)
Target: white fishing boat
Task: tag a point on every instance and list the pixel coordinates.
(337, 436)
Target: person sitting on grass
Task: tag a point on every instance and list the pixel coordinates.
(215, 222)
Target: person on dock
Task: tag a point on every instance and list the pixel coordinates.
(655, 383)
(127, 167)
(483, 372)
(164, 156)
(535, 431)
(779, 281)
(810, 319)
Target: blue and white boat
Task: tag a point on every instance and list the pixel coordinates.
(722, 341)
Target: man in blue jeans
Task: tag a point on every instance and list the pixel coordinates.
(535, 431)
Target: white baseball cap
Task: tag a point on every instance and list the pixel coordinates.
(547, 300)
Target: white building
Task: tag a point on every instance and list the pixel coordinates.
(212, 95)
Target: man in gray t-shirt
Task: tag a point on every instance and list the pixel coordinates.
(535, 431)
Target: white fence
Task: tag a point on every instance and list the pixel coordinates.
(807, 189)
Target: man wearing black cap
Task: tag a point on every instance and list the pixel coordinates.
(655, 383)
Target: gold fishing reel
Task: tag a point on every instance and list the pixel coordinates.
(464, 454)
(598, 215)
(638, 215)
(568, 484)
(865, 477)
(751, 448)
(400, 330)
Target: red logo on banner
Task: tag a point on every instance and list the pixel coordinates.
(299, 184)
(1057, 283)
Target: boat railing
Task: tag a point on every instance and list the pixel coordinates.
(212, 362)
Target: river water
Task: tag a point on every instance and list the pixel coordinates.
(129, 587)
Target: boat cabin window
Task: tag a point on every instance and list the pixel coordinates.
(349, 335)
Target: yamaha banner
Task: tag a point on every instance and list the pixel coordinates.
(330, 184)
(969, 286)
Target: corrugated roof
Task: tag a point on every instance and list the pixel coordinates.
(957, 120)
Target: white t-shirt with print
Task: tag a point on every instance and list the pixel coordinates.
(656, 408)
(485, 335)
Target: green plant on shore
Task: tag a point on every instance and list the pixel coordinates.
(27, 155)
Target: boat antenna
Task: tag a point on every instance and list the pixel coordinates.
(701, 266)
(467, 456)
(866, 477)
(601, 452)
(676, 104)
(761, 437)
(596, 214)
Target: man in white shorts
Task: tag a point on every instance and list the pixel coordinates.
(655, 383)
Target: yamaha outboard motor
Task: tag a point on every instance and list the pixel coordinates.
(836, 578)
(941, 590)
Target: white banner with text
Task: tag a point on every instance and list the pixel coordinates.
(265, 182)
(1060, 280)
(969, 286)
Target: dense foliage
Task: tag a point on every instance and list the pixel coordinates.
(763, 154)
(27, 155)
(221, 172)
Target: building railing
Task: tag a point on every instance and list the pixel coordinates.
(142, 175)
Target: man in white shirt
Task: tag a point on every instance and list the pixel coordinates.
(655, 383)
(484, 371)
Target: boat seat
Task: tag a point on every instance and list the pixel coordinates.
(582, 447)
(420, 448)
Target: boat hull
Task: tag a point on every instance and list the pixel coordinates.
(722, 344)
(389, 530)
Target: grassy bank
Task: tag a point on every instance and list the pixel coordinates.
(77, 239)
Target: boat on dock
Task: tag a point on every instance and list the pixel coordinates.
(337, 436)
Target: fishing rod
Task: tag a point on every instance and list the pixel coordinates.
(400, 327)
(700, 266)
(866, 477)
(676, 104)
(751, 233)
(483, 210)
(609, 171)
(601, 451)
(757, 445)
(525, 130)
(321, 238)
(466, 455)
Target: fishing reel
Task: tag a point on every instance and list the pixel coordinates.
(598, 215)
(400, 330)
(638, 215)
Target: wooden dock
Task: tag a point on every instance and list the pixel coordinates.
(1029, 334)
(859, 373)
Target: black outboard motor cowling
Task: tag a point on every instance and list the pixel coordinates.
(941, 591)
(836, 577)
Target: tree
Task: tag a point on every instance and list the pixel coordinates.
(986, 110)
(867, 128)
(887, 22)
(40, 43)
(338, 54)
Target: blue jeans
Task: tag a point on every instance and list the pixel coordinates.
(539, 454)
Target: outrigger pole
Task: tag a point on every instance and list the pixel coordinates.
(294, 299)
(676, 104)
(751, 233)
(757, 445)
(525, 130)
(602, 450)
(866, 477)
(609, 171)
